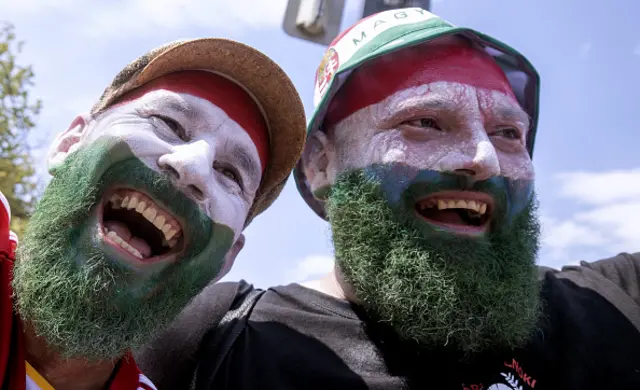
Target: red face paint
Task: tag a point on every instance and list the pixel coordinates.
(412, 67)
(222, 93)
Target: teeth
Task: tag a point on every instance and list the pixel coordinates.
(133, 202)
(444, 204)
(169, 231)
(123, 244)
(159, 222)
(167, 226)
(170, 234)
(141, 207)
(131, 250)
(115, 237)
(150, 214)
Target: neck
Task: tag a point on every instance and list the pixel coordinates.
(333, 284)
(61, 373)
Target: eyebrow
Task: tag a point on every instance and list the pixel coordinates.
(514, 114)
(400, 106)
(438, 102)
(245, 161)
(182, 107)
(432, 101)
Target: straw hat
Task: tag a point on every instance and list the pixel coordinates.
(262, 78)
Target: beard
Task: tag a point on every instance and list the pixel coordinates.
(434, 288)
(80, 299)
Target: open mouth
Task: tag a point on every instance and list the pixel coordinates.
(469, 212)
(133, 222)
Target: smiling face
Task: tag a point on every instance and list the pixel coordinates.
(430, 195)
(148, 201)
(444, 127)
(450, 109)
(173, 126)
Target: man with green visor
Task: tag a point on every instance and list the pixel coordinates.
(419, 156)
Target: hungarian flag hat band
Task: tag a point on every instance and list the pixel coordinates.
(388, 31)
(392, 30)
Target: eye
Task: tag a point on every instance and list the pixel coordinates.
(509, 133)
(425, 123)
(229, 172)
(173, 125)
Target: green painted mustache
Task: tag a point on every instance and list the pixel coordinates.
(403, 185)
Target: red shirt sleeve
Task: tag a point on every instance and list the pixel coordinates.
(12, 363)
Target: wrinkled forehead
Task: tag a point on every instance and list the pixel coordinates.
(448, 59)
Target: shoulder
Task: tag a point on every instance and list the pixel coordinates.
(203, 313)
(622, 270)
(171, 353)
(216, 299)
(591, 321)
(614, 280)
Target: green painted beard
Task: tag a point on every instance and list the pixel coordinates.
(86, 302)
(435, 289)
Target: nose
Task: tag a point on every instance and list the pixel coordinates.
(478, 159)
(190, 166)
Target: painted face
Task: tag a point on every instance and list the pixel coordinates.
(448, 109)
(430, 198)
(205, 141)
(146, 207)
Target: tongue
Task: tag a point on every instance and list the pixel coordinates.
(448, 216)
(119, 228)
(141, 245)
(123, 232)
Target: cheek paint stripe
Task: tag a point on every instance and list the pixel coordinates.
(412, 67)
(222, 93)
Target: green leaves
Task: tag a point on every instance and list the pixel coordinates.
(18, 113)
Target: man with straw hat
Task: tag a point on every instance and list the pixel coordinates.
(151, 191)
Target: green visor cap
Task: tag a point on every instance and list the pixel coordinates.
(388, 31)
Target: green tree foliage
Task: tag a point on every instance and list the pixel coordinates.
(17, 118)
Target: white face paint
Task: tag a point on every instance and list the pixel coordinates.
(443, 126)
(209, 156)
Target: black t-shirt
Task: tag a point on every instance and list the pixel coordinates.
(298, 338)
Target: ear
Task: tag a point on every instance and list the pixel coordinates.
(230, 257)
(319, 163)
(66, 142)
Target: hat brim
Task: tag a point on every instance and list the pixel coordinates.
(264, 80)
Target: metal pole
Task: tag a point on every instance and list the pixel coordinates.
(374, 6)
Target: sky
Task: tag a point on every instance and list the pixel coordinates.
(586, 154)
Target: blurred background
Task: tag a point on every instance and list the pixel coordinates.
(56, 57)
